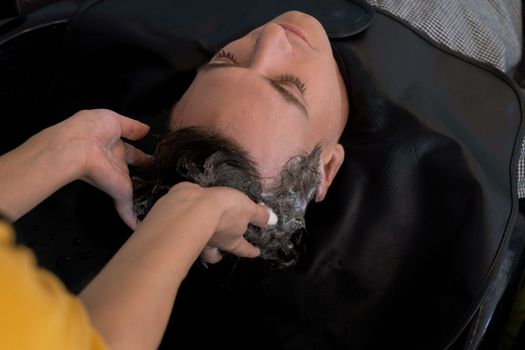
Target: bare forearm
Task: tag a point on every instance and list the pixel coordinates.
(130, 301)
(30, 174)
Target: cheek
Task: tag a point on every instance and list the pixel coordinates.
(243, 47)
(329, 110)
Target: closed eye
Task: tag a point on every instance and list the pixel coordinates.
(289, 78)
(283, 79)
(278, 84)
(228, 55)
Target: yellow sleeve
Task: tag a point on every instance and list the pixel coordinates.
(36, 311)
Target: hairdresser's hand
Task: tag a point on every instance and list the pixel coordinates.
(142, 279)
(217, 216)
(96, 136)
(85, 146)
(92, 141)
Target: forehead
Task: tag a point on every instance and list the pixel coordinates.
(242, 106)
(233, 91)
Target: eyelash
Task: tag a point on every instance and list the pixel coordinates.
(285, 78)
(288, 78)
(228, 55)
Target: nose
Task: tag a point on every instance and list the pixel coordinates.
(271, 47)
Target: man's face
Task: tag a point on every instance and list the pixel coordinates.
(276, 91)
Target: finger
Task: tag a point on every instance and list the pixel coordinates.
(119, 150)
(263, 216)
(132, 129)
(245, 250)
(125, 211)
(136, 157)
(211, 255)
(184, 185)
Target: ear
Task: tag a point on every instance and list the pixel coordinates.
(331, 161)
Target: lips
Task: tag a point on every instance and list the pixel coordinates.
(296, 31)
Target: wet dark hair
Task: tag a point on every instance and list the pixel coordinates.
(202, 156)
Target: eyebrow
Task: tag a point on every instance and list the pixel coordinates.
(286, 95)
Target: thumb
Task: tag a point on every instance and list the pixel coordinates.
(263, 216)
(125, 211)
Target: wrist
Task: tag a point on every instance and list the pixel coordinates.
(49, 160)
(179, 237)
(62, 161)
(32, 172)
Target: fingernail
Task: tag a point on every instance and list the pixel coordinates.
(204, 263)
(272, 220)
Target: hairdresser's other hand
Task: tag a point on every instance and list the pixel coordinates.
(217, 216)
(86, 146)
(96, 137)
